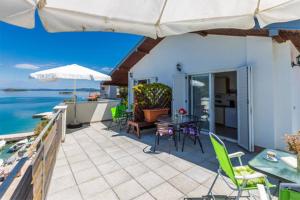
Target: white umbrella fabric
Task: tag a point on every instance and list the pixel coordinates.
(18, 12)
(73, 72)
(160, 17)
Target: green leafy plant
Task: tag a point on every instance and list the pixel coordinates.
(123, 94)
(40, 126)
(151, 96)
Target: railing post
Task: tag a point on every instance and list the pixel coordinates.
(63, 109)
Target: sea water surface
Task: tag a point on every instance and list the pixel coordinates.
(17, 108)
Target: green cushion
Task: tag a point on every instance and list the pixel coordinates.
(252, 183)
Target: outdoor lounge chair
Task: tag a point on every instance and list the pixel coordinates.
(243, 178)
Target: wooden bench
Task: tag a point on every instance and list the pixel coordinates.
(138, 126)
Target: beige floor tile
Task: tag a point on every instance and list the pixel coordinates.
(105, 195)
(137, 169)
(129, 190)
(61, 183)
(70, 193)
(86, 175)
(95, 186)
(145, 196)
(166, 172)
(61, 171)
(78, 166)
(166, 191)
(117, 177)
(150, 180)
(108, 167)
(184, 183)
(127, 161)
(198, 174)
(153, 163)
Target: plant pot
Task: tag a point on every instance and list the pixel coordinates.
(151, 115)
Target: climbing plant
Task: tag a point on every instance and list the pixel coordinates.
(150, 96)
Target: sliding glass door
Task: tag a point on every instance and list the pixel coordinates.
(200, 99)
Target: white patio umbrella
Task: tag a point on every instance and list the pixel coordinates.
(18, 12)
(161, 17)
(73, 72)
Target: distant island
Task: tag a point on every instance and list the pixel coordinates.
(46, 89)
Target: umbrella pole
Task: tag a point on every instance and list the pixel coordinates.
(75, 99)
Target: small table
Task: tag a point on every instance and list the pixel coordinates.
(279, 170)
(176, 121)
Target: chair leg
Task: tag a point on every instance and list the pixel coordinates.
(110, 125)
(158, 140)
(156, 137)
(239, 194)
(175, 141)
(213, 184)
(200, 143)
(195, 140)
(183, 141)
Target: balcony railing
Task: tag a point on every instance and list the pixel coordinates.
(30, 178)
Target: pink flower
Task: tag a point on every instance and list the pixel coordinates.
(182, 111)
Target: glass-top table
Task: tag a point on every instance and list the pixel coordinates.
(279, 170)
(176, 120)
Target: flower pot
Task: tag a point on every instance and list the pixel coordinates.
(151, 115)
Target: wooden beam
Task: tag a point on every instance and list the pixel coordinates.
(202, 33)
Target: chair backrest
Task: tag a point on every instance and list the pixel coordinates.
(289, 191)
(164, 129)
(222, 156)
(114, 113)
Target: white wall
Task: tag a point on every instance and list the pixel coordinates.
(197, 54)
(91, 111)
(214, 53)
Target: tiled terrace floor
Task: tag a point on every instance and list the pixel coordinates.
(94, 163)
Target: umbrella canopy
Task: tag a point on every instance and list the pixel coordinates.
(18, 12)
(74, 72)
(157, 17)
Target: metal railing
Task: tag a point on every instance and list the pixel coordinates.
(31, 176)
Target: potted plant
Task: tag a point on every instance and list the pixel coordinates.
(151, 115)
(293, 142)
(153, 100)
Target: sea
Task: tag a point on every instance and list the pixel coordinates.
(17, 108)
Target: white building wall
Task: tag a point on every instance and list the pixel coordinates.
(295, 79)
(215, 53)
(260, 58)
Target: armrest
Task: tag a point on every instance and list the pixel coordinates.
(251, 176)
(236, 154)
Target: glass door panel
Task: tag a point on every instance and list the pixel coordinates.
(200, 99)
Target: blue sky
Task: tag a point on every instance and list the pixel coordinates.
(23, 51)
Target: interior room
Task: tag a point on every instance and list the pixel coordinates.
(225, 92)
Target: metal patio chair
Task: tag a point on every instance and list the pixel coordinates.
(165, 129)
(242, 178)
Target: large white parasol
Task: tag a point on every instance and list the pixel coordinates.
(73, 72)
(151, 17)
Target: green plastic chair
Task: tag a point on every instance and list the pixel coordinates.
(118, 116)
(242, 177)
